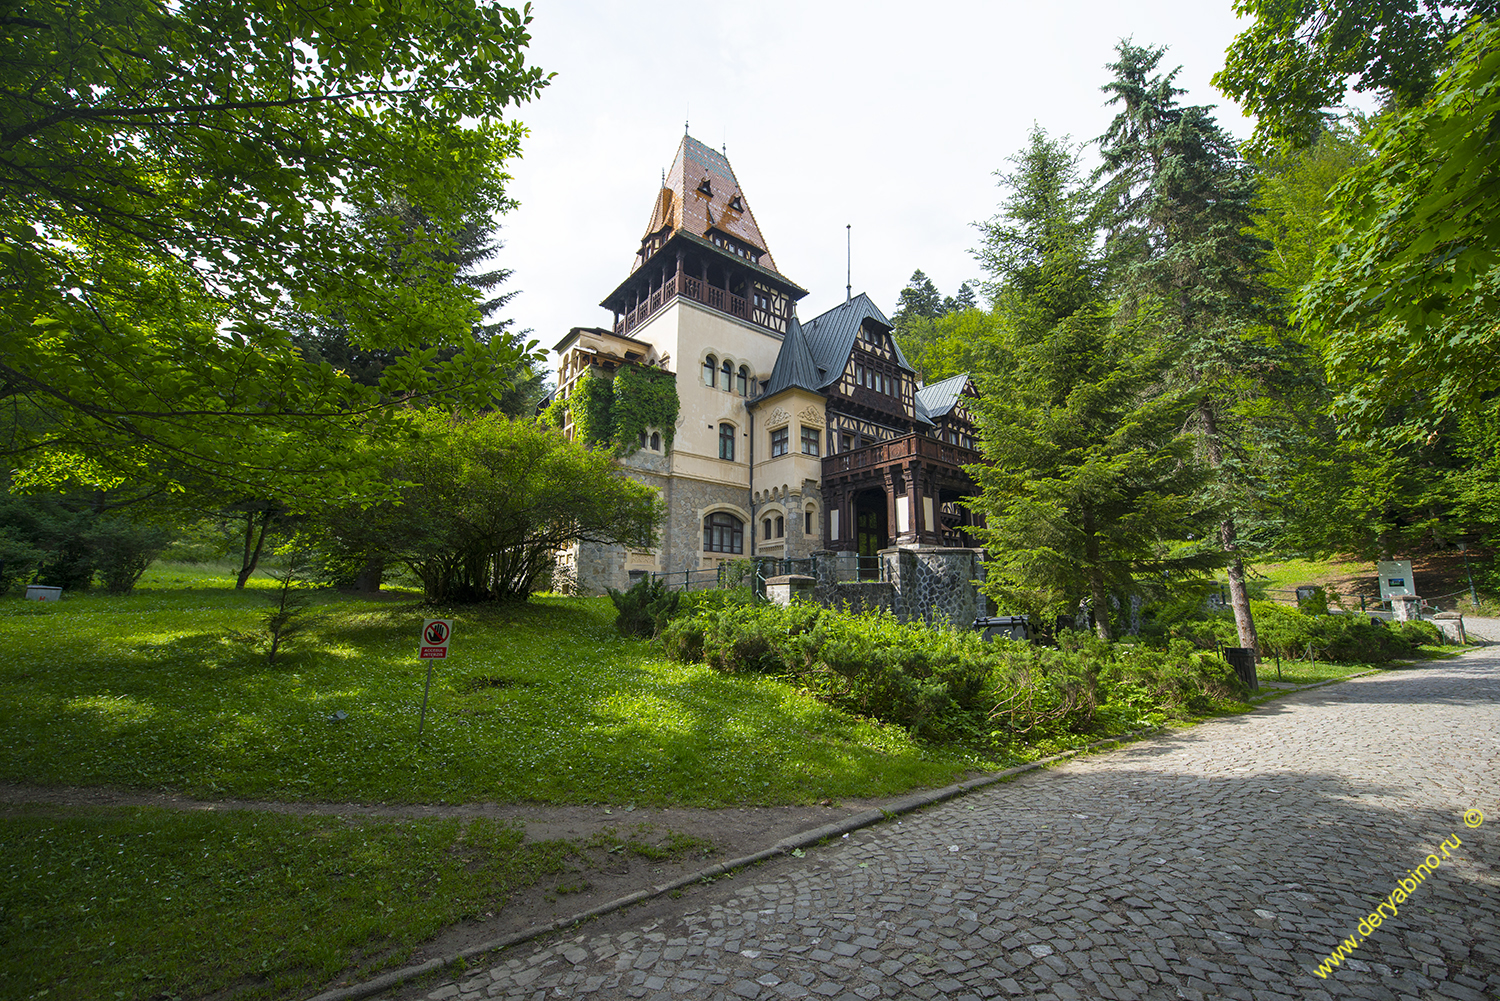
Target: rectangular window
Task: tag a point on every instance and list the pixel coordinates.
(810, 438)
(807, 528)
(726, 441)
(779, 441)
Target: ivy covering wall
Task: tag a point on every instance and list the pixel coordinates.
(615, 412)
(644, 398)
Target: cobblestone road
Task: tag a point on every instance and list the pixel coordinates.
(1225, 861)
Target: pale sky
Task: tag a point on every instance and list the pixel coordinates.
(891, 117)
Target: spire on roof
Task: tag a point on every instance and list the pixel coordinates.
(701, 196)
(795, 368)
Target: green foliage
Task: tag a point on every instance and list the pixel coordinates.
(1089, 482)
(592, 404)
(951, 685)
(486, 503)
(614, 412)
(956, 343)
(1296, 59)
(288, 616)
(643, 398)
(1407, 302)
(68, 540)
(1288, 632)
(164, 202)
(19, 558)
(645, 608)
(125, 548)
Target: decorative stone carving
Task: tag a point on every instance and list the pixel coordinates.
(777, 419)
(812, 415)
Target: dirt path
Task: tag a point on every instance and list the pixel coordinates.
(734, 832)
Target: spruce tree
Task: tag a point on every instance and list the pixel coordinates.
(1181, 204)
(400, 227)
(1088, 488)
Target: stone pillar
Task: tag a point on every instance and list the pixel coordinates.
(1406, 607)
(935, 585)
(781, 590)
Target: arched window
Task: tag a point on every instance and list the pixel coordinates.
(744, 381)
(726, 441)
(723, 533)
(710, 369)
(656, 441)
(780, 526)
(765, 529)
(728, 376)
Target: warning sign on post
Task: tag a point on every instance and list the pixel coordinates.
(435, 636)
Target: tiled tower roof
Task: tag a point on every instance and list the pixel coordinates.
(701, 196)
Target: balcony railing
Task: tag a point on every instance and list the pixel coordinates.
(896, 450)
(700, 291)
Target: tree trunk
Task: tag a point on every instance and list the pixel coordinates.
(250, 558)
(1096, 577)
(1244, 622)
(1244, 619)
(368, 580)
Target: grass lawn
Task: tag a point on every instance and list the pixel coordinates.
(169, 689)
(116, 902)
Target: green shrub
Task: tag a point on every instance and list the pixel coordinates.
(945, 684)
(645, 608)
(18, 559)
(123, 550)
(1340, 639)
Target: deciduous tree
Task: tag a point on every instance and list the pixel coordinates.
(175, 173)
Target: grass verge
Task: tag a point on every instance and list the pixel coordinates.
(117, 902)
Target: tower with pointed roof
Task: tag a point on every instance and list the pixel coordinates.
(791, 436)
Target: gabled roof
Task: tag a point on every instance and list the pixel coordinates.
(830, 337)
(795, 368)
(700, 194)
(940, 397)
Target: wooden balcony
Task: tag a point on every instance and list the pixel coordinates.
(696, 289)
(898, 450)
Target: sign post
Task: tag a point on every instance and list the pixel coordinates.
(1395, 579)
(434, 646)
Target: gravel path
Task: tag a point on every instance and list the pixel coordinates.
(1222, 861)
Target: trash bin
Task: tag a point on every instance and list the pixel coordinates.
(1242, 659)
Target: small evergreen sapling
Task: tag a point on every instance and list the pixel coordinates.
(645, 608)
(288, 614)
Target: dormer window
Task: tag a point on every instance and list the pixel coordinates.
(736, 204)
(706, 188)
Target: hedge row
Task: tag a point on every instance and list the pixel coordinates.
(945, 683)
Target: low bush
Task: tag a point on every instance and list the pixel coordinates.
(945, 684)
(645, 608)
(1343, 639)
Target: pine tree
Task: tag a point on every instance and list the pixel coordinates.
(1181, 201)
(1088, 488)
(401, 226)
(919, 298)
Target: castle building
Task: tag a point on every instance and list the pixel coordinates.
(791, 436)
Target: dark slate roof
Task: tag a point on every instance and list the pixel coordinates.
(795, 368)
(830, 337)
(937, 399)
